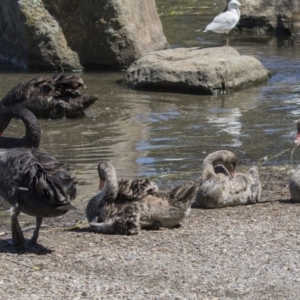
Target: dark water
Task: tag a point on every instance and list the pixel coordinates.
(166, 136)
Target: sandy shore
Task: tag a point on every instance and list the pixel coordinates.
(250, 252)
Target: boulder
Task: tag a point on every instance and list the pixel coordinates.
(261, 16)
(66, 35)
(203, 71)
(109, 33)
(45, 40)
(12, 40)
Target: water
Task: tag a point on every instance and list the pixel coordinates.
(166, 136)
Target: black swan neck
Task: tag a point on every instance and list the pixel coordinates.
(33, 131)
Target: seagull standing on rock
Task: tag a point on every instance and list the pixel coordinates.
(225, 21)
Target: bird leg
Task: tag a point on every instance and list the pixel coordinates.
(227, 41)
(16, 232)
(35, 235)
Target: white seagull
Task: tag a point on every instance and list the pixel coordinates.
(225, 21)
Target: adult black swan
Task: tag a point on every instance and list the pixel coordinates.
(52, 97)
(34, 183)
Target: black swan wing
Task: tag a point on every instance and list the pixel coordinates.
(40, 173)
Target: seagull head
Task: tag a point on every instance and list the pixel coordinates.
(233, 4)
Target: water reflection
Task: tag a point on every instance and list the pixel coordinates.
(166, 136)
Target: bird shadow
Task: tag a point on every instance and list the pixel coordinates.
(6, 246)
(286, 201)
(84, 229)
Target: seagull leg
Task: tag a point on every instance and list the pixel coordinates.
(35, 235)
(16, 232)
(227, 40)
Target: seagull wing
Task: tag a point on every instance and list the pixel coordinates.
(223, 22)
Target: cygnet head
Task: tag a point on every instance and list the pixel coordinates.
(224, 158)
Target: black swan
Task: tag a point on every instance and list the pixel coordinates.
(125, 206)
(52, 97)
(221, 186)
(33, 181)
(33, 131)
(35, 184)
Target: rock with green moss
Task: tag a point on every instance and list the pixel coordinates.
(66, 35)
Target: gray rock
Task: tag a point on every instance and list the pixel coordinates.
(71, 35)
(280, 16)
(204, 71)
(12, 40)
(110, 33)
(47, 45)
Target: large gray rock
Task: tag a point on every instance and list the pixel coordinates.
(270, 16)
(45, 40)
(109, 33)
(204, 71)
(12, 40)
(72, 34)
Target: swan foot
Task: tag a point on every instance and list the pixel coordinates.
(35, 235)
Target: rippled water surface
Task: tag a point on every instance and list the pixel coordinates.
(166, 136)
